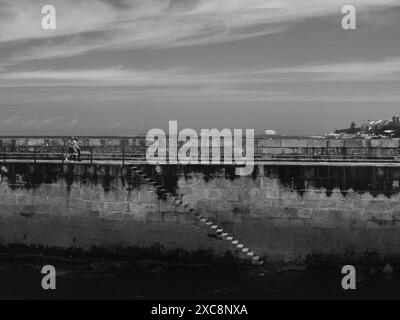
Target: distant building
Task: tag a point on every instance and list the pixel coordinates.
(389, 128)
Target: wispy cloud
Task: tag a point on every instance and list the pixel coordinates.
(247, 85)
(83, 26)
(378, 70)
(386, 69)
(17, 121)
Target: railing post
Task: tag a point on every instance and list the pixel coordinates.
(4, 155)
(123, 156)
(34, 154)
(62, 155)
(91, 154)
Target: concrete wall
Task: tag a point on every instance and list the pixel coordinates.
(359, 148)
(284, 213)
(266, 147)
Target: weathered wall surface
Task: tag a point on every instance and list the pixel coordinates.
(266, 147)
(292, 212)
(91, 205)
(283, 213)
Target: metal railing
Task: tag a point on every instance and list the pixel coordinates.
(125, 154)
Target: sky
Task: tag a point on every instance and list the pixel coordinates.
(122, 67)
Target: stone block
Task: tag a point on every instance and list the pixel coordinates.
(396, 215)
(376, 205)
(116, 206)
(304, 213)
(232, 194)
(31, 142)
(378, 215)
(289, 151)
(328, 204)
(151, 207)
(316, 143)
(294, 143)
(269, 143)
(270, 151)
(291, 213)
(353, 143)
(147, 196)
(385, 143)
(214, 194)
(264, 212)
(186, 190)
(335, 143)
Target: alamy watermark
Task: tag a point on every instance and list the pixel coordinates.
(49, 18)
(349, 280)
(49, 280)
(349, 21)
(189, 147)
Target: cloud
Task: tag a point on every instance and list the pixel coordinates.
(381, 70)
(10, 120)
(84, 26)
(358, 70)
(293, 83)
(17, 121)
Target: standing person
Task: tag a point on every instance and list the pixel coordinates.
(73, 149)
(70, 155)
(77, 149)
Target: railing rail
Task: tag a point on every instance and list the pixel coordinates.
(126, 154)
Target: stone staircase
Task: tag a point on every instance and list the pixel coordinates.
(174, 203)
(244, 252)
(171, 202)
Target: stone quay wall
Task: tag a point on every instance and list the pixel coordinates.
(284, 213)
(266, 147)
